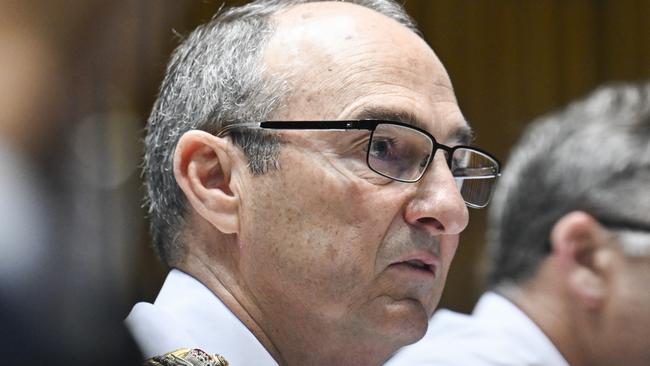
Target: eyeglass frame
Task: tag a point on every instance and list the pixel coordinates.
(370, 125)
(623, 227)
(616, 224)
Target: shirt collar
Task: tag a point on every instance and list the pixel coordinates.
(495, 308)
(198, 319)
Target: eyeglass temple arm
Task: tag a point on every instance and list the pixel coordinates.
(223, 131)
(304, 125)
(475, 173)
(320, 125)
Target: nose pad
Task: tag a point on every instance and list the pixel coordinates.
(437, 205)
(445, 156)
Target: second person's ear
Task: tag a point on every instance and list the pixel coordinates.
(578, 241)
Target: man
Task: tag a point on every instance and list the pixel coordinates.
(324, 236)
(570, 243)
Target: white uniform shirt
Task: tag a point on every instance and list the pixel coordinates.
(186, 314)
(497, 333)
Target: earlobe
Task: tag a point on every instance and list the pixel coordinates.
(577, 240)
(203, 170)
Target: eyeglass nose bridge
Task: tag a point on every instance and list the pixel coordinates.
(446, 150)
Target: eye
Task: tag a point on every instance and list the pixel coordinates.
(423, 162)
(383, 148)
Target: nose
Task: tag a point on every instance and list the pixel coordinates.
(437, 205)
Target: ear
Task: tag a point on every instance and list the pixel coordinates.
(202, 168)
(578, 242)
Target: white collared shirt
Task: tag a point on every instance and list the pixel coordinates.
(186, 314)
(497, 333)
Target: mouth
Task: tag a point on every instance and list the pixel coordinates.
(422, 263)
(418, 265)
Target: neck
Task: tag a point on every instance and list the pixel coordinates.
(327, 347)
(554, 317)
(289, 332)
(223, 284)
(285, 338)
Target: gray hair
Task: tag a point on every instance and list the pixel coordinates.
(593, 156)
(215, 78)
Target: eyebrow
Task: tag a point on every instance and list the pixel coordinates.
(463, 135)
(385, 114)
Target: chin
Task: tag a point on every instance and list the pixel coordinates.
(407, 320)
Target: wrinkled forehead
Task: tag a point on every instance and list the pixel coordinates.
(341, 60)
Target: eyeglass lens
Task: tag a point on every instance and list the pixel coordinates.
(475, 175)
(402, 153)
(398, 152)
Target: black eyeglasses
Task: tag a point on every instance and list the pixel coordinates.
(403, 152)
(633, 235)
(617, 224)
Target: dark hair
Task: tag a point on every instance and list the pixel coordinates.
(592, 156)
(215, 78)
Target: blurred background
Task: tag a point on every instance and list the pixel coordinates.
(78, 78)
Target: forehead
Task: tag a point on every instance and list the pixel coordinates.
(343, 60)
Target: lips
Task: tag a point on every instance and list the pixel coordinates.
(422, 262)
(417, 264)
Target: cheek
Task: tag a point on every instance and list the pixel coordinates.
(308, 230)
(628, 309)
(448, 248)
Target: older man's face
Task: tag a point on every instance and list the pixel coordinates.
(327, 245)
